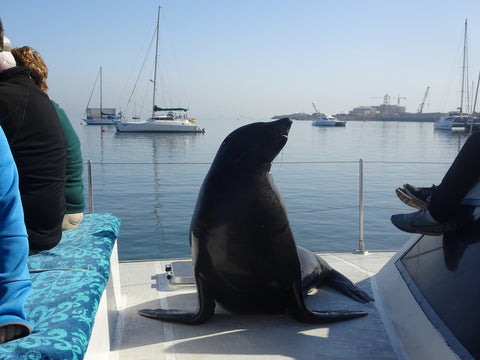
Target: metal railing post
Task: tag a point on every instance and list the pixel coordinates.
(361, 243)
(90, 186)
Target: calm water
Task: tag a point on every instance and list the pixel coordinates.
(151, 181)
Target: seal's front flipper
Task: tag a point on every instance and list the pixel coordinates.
(205, 311)
(343, 284)
(169, 315)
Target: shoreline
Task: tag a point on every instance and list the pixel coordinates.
(405, 117)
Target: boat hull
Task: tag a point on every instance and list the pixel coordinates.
(328, 123)
(158, 126)
(450, 122)
(98, 121)
(328, 120)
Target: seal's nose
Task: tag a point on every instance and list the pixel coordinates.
(287, 126)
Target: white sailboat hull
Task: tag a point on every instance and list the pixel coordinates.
(168, 126)
(98, 121)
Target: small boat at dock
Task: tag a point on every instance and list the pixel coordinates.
(452, 121)
(460, 120)
(100, 115)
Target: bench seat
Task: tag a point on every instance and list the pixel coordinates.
(67, 285)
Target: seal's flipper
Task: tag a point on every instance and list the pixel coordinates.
(205, 310)
(168, 315)
(299, 311)
(329, 316)
(343, 284)
(339, 315)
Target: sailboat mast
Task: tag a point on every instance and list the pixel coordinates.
(101, 92)
(156, 61)
(463, 67)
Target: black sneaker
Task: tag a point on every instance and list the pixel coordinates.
(419, 223)
(407, 199)
(421, 195)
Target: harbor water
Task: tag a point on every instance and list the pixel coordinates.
(151, 180)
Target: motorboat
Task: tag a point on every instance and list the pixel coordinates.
(452, 121)
(328, 120)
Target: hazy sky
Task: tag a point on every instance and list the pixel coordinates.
(252, 59)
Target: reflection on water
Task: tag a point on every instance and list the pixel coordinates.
(151, 180)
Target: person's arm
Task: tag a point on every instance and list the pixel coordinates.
(15, 282)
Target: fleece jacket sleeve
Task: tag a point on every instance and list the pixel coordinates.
(15, 282)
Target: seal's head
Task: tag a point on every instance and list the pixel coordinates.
(254, 145)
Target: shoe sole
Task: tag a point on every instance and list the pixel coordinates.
(415, 229)
(409, 200)
(415, 198)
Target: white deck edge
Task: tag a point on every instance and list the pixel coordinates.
(400, 312)
(109, 314)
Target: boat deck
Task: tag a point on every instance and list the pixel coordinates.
(144, 285)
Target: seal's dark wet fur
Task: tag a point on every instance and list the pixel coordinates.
(243, 250)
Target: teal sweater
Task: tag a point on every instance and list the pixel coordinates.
(74, 196)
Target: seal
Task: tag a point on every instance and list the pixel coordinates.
(243, 250)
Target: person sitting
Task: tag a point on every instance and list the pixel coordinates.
(439, 205)
(15, 282)
(37, 142)
(74, 194)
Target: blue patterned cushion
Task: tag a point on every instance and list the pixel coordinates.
(87, 247)
(67, 284)
(62, 308)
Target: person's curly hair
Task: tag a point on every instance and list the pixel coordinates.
(26, 56)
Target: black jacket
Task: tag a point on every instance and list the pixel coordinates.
(38, 145)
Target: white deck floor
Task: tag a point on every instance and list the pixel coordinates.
(233, 336)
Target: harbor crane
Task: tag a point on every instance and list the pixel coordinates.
(399, 98)
(420, 107)
(315, 108)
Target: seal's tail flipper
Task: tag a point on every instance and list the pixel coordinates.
(299, 311)
(205, 311)
(338, 315)
(325, 317)
(343, 284)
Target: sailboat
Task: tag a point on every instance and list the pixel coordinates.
(173, 119)
(457, 119)
(101, 115)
